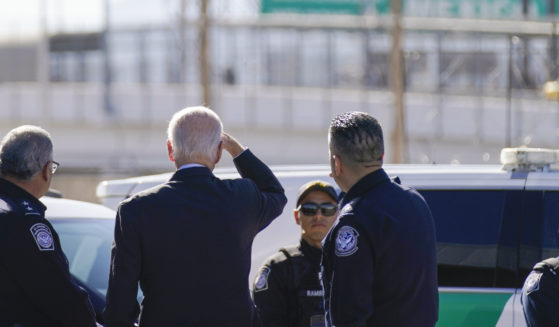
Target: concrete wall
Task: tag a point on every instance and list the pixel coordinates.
(281, 125)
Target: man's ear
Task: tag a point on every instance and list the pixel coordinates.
(297, 220)
(338, 165)
(170, 151)
(219, 152)
(45, 172)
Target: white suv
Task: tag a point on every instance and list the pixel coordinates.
(493, 223)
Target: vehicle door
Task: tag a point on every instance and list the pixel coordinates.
(477, 237)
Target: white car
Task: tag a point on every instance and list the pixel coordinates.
(493, 223)
(86, 235)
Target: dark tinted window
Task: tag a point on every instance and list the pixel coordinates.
(539, 237)
(550, 226)
(476, 236)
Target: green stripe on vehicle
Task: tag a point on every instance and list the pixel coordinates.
(458, 309)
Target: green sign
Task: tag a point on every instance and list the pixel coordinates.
(463, 309)
(352, 7)
(487, 9)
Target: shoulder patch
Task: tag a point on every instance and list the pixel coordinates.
(43, 237)
(532, 282)
(346, 241)
(261, 281)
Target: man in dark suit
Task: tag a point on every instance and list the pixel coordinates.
(188, 242)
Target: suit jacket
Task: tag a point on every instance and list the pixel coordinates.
(188, 243)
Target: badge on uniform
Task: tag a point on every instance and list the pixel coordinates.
(346, 241)
(346, 209)
(43, 237)
(261, 283)
(532, 282)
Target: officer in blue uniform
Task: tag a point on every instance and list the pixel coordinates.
(287, 289)
(540, 294)
(379, 260)
(36, 288)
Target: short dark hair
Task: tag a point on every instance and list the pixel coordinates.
(357, 137)
(24, 151)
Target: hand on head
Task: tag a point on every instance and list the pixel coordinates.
(231, 145)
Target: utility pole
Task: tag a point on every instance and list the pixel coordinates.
(182, 42)
(204, 60)
(397, 83)
(107, 79)
(525, 46)
(553, 72)
(43, 62)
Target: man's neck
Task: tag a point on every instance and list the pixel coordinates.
(355, 176)
(29, 186)
(188, 164)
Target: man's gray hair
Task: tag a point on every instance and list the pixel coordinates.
(195, 133)
(24, 151)
(357, 137)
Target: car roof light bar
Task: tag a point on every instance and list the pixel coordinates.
(529, 159)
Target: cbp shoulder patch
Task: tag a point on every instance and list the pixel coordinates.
(43, 237)
(346, 241)
(532, 282)
(261, 281)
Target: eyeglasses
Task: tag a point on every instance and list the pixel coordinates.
(53, 166)
(311, 208)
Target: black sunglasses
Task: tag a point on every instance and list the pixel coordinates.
(311, 208)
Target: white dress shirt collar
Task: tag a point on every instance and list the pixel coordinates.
(190, 165)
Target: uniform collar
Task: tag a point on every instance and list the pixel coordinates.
(366, 183)
(21, 196)
(310, 252)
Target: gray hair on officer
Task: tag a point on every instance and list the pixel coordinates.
(24, 152)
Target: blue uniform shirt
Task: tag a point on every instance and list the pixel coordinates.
(540, 294)
(379, 262)
(36, 288)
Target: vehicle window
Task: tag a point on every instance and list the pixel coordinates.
(550, 226)
(539, 231)
(87, 245)
(530, 233)
(476, 239)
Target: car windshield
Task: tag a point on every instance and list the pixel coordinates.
(87, 245)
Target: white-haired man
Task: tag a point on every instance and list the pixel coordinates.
(188, 242)
(36, 288)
